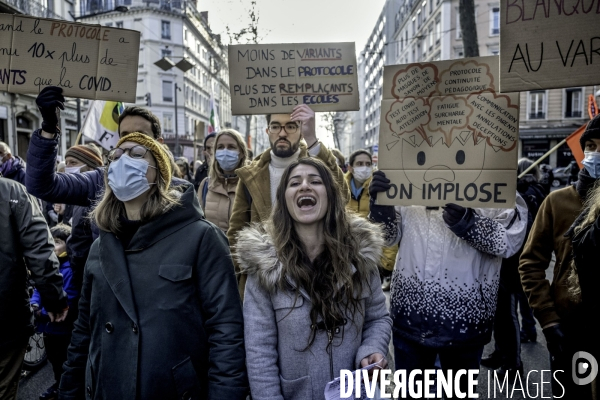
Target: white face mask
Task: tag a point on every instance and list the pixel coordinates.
(362, 173)
(73, 170)
(591, 162)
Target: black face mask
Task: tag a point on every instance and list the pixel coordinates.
(584, 183)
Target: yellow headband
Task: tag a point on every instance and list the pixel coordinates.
(160, 155)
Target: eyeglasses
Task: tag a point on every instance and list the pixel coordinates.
(138, 151)
(290, 128)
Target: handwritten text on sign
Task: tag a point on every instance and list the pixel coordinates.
(446, 135)
(274, 78)
(87, 61)
(548, 44)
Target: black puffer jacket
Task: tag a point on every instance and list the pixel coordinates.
(162, 319)
(25, 243)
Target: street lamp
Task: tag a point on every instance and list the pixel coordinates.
(184, 65)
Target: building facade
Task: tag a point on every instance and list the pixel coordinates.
(19, 115)
(549, 116)
(429, 30)
(175, 30)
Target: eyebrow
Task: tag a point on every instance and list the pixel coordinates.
(299, 176)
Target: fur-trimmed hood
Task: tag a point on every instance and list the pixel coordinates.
(255, 252)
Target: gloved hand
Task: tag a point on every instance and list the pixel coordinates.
(49, 101)
(379, 183)
(453, 213)
(556, 341)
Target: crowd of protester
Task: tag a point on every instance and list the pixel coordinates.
(159, 279)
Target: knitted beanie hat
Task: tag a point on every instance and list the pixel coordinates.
(88, 155)
(592, 131)
(160, 155)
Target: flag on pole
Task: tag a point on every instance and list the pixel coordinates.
(573, 143)
(213, 122)
(102, 123)
(592, 106)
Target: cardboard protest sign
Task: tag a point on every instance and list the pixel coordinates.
(547, 44)
(86, 61)
(274, 78)
(447, 136)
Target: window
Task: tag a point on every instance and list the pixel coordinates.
(167, 91)
(430, 36)
(419, 18)
(573, 103)
(165, 29)
(430, 6)
(495, 21)
(119, 24)
(438, 29)
(108, 24)
(165, 52)
(167, 122)
(185, 35)
(458, 29)
(537, 103)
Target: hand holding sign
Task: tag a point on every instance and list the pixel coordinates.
(306, 116)
(49, 101)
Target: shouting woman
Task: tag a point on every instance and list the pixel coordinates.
(313, 302)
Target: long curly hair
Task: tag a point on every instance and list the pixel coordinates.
(591, 211)
(329, 280)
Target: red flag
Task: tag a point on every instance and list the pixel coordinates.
(592, 106)
(573, 143)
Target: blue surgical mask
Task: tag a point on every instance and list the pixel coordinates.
(591, 162)
(127, 177)
(227, 159)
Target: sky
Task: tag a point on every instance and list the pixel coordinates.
(299, 21)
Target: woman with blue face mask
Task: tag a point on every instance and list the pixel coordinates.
(159, 314)
(217, 192)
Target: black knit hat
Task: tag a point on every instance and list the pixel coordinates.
(592, 131)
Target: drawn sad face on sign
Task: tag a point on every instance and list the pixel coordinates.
(462, 161)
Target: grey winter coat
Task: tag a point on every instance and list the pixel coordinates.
(277, 330)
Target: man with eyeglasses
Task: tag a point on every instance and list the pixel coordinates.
(258, 181)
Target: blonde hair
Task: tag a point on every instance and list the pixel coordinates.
(215, 171)
(109, 208)
(591, 210)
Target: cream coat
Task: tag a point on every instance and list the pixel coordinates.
(219, 201)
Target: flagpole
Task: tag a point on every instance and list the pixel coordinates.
(542, 158)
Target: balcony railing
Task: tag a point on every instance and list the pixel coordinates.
(573, 114)
(537, 115)
(33, 8)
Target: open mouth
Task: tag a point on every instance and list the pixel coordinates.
(306, 202)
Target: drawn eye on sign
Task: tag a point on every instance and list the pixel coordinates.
(452, 139)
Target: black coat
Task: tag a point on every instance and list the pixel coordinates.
(586, 246)
(161, 320)
(25, 243)
(534, 194)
